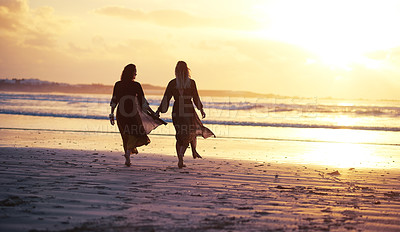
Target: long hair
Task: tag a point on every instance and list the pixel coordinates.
(182, 74)
(128, 72)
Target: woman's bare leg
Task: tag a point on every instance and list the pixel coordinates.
(124, 143)
(193, 145)
(127, 154)
(127, 158)
(180, 151)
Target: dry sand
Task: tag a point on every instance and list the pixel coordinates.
(58, 182)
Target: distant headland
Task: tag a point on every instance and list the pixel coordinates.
(36, 85)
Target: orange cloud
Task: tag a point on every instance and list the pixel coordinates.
(10, 12)
(177, 18)
(30, 27)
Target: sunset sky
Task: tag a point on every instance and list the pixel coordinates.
(311, 48)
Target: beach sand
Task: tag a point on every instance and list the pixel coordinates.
(60, 181)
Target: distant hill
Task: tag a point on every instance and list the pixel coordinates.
(36, 85)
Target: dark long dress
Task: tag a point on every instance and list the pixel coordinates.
(133, 122)
(184, 117)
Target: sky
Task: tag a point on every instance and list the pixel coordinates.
(308, 48)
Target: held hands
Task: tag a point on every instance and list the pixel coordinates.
(111, 116)
(203, 114)
(157, 114)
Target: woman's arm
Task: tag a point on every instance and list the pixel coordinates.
(140, 96)
(144, 103)
(113, 104)
(163, 108)
(146, 106)
(142, 100)
(196, 100)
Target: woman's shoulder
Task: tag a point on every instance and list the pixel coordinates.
(172, 82)
(192, 84)
(118, 84)
(137, 86)
(127, 84)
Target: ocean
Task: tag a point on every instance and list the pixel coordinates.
(382, 116)
(336, 122)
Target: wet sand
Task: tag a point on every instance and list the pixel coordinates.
(55, 181)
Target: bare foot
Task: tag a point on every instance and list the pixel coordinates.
(196, 155)
(181, 165)
(127, 160)
(180, 162)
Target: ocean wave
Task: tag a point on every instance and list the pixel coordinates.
(300, 125)
(223, 137)
(214, 122)
(49, 114)
(54, 98)
(306, 106)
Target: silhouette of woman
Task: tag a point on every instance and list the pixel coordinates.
(184, 117)
(135, 118)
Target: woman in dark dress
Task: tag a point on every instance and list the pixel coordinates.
(135, 119)
(186, 122)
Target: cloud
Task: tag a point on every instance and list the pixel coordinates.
(10, 12)
(177, 18)
(30, 27)
(15, 5)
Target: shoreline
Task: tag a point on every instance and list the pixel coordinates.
(220, 137)
(278, 150)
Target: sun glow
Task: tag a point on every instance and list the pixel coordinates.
(339, 33)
